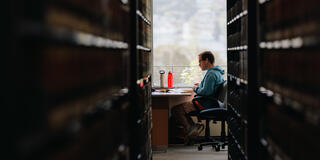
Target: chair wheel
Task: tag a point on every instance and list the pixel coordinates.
(199, 148)
(217, 148)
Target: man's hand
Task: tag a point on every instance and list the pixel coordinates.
(195, 86)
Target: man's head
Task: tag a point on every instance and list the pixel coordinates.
(206, 60)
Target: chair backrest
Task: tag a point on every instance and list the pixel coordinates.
(222, 93)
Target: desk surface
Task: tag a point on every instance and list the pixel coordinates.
(173, 92)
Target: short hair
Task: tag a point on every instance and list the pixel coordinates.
(207, 54)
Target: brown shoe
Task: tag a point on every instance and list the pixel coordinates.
(192, 131)
(200, 127)
(192, 135)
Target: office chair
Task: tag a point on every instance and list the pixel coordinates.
(215, 114)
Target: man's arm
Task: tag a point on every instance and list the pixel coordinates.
(207, 88)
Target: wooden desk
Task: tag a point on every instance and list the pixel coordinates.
(162, 102)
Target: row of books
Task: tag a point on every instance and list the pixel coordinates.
(114, 27)
(239, 66)
(98, 7)
(146, 8)
(238, 38)
(237, 7)
(243, 65)
(244, 101)
(145, 62)
(234, 94)
(67, 68)
(289, 19)
(273, 151)
(145, 34)
(307, 29)
(244, 30)
(288, 12)
(237, 98)
(235, 128)
(304, 103)
(233, 68)
(280, 122)
(109, 21)
(298, 74)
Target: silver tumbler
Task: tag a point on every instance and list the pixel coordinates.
(162, 74)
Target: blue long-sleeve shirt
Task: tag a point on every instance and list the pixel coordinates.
(211, 81)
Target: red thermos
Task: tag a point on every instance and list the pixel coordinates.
(170, 79)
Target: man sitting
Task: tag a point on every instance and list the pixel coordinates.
(207, 88)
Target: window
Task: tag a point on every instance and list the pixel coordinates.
(181, 30)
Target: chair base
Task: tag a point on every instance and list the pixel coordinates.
(215, 145)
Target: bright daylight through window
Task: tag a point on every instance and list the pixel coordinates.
(181, 30)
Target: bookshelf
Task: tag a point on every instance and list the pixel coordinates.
(289, 81)
(141, 73)
(242, 57)
(70, 89)
(272, 54)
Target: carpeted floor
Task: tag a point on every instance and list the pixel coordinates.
(182, 152)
